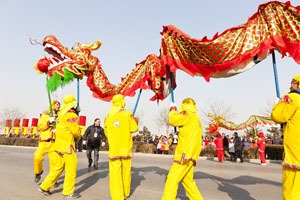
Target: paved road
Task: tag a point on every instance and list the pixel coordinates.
(238, 181)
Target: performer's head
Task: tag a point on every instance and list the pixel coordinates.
(118, 103)
(118, 100)
(97, 122)
(188, 104)
(235, 134)
(295, 83)
(55, 105)
(261, 135)
(69, 102)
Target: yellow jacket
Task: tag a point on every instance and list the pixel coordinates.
(46, 130)
(189, 136)
(286, 112)
(67, 129)
(118, 127)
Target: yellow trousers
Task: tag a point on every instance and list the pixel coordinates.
(59, 163)
(38, 157)
(185, 173)
(290, 184)
(119, 178)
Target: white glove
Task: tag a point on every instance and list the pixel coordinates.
(84, 142)
(52, 120)
(276, 100)
(173, 105)
(103, 144)
(78, 109)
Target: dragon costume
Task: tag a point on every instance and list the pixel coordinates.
(220, 121)
(275, 26)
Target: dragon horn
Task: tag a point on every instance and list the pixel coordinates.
(93, 45)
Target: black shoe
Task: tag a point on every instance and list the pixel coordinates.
(38, 177)
(56, 184)
(90, 164)
(95, 167)
(45, 192)
(72, 196)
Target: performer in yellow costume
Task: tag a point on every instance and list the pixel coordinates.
(118, 126)
(46, 139)
(287, 112)
(187, 150)
(63, 156)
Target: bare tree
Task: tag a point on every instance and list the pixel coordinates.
(266, 111)
(162, 119)
(139, 117)
(217, 107)
(10, 113)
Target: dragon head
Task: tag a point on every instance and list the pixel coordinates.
(65, 64)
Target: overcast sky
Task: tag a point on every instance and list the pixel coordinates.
(129, 31)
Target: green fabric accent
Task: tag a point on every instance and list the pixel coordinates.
(68, 78)
(54, 82)
(59, 81)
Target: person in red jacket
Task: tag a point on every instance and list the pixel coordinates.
(261, 143)
(219, 147)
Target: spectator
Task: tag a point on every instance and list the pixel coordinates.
(238, 148)
(269, 140)
(245, 142)
(261, 143)
(231, 149)
(93, 137)
(219, 147)
(206, 141)
(276, 140)
(226, 146)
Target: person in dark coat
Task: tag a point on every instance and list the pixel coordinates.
(92, 138)
(226, 146)
(238, 148)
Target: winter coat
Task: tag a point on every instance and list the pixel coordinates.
(287, 112)
(67, 130)
(94, 135)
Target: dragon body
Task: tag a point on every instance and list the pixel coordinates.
(275, 26)
(219, 121)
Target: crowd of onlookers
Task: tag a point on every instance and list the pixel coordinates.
(162, 143)
(229, 147)
(247, 141)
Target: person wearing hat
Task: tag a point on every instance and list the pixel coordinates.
(287, 113)
(219, 146)
(63, 156)
(187, 151)
(46, 138)
(118, 126)
(261, 143)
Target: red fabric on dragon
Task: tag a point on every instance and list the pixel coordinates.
(276, 26)
(66, 65)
